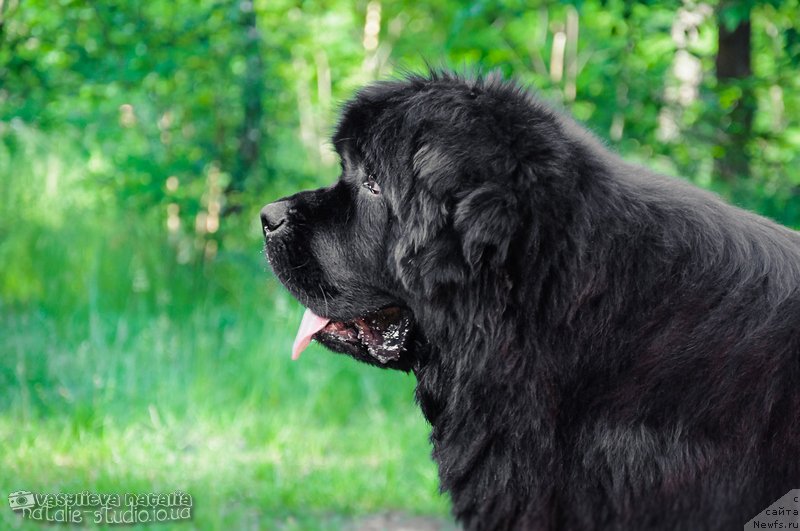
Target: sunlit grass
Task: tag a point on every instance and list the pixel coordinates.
(217, 410)
(123, 369)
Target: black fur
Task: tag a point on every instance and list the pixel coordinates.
(596, 346)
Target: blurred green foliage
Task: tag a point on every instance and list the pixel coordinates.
(142, 339)
(145, 91)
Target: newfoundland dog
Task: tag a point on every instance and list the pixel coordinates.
(595, 346)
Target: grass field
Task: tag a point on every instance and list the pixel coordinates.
(123, 370)
(208, 403)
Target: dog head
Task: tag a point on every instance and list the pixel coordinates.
(437, 175)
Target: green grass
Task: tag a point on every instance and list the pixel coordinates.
(124, 370)
(210, 404)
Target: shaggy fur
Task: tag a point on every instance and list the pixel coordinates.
(596, 346)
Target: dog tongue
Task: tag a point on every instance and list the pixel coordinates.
(310, 325)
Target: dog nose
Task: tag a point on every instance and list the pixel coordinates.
(273, 216)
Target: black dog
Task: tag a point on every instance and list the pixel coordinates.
(596, 346)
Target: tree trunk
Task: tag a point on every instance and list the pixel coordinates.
(733, 63)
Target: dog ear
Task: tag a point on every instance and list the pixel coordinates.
(451, 229)
(428, 256)
(486, 220)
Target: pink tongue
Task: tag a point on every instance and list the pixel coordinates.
(310, 325)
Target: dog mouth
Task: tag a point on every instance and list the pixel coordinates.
(382, 334)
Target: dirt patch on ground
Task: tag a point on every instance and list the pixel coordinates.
(396, 521)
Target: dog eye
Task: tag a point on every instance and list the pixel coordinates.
(372, 185)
